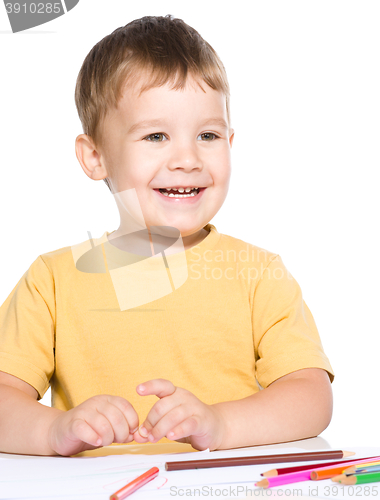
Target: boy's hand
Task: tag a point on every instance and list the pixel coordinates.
(98, 421)
(179, 416)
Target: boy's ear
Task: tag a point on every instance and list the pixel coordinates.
(232, 135)
(89, 158)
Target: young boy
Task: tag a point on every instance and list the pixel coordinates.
(153, 98)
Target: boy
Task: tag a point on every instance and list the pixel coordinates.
(153, 99)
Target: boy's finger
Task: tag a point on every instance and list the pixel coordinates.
(82, 431)
(165, 424)
(139, 439)
(127, 410)
(118, 422)
(102, 426)
(158, 387)
(186, 428)
(157, 412)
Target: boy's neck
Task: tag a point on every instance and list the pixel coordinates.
(194, 239)
(139, 242)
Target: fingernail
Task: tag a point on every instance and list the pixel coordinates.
(134, 430)
(141, 388)
(143, 432)
(151, 438)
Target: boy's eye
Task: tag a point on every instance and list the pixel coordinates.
(207, 134)
(155, 136)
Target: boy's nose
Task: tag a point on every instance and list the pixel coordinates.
(185, 158)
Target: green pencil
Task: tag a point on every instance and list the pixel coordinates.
(372, 477)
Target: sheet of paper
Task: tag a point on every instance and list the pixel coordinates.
(97, 478)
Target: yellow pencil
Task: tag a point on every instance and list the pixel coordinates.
(355, 468)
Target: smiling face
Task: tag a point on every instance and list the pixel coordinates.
(187, 144)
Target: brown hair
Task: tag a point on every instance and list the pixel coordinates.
(165, 46)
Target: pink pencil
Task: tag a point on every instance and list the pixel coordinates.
(293, 477)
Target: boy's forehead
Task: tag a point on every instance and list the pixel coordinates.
(148, 81)
(139, 99)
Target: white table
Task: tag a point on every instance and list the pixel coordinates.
(309, 489)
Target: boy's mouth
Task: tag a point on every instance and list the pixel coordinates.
(180, 195)
(180, 192)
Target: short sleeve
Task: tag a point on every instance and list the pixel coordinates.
(27, 319)
(286, 338)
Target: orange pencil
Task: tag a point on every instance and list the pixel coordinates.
(135, 484)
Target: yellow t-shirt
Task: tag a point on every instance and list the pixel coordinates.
(238, 316)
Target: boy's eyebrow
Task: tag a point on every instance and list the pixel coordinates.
(156, 123)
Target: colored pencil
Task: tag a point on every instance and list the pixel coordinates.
(357, 468)
(329, 472)
(299, 468)
(135, 484)
(373, 477)
(294, 477)
(370, 464)
(336, 479)
(255, 460)
(363, 471)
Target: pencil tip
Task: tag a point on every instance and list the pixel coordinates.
(270, 473)
(348, 454)
(337, 479)
(350, 469)
(264, 483)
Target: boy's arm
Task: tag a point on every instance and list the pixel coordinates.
(28, 427)
(296, 406)
(23, 420)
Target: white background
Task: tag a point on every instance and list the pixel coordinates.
(305, 106)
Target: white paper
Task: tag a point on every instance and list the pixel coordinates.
(97, 478)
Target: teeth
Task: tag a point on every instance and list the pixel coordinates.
(179, 195)
(181, 190)
(192, 192)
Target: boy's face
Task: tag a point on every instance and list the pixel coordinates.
(185, 148)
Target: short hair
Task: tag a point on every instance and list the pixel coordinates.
(165, 46)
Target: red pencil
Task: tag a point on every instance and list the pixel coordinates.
(135, 484)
